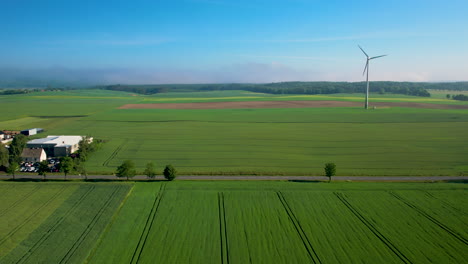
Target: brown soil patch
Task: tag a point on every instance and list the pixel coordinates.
(285, 104)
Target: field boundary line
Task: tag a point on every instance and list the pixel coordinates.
(55, 226)
(429, 217)
(372, 228)
(26, 195)
(89, 227)
(108, 227)
(300, 231)
(26, 220)
(148, 225)
(114, 153)
(223, 229)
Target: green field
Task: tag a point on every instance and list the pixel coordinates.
(294, 141)
(233, 222)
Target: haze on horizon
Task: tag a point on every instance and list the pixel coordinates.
(216, 41)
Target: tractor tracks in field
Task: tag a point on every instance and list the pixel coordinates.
(55, 226)
(116, 151)
(24, 197)
(89, 227)
(148, 225)
(430, 195)
(32, 215)
(372, 228)
(430, 218)
(223, 229)
(300, 231)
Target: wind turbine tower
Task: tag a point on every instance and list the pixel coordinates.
(366, 69)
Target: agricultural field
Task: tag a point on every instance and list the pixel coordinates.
(233, 222)
(390, 140)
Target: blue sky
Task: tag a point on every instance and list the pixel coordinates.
(206, 41)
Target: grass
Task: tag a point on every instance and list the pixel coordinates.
(388, 141)
(249, 221)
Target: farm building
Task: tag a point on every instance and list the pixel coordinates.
(56, 146)
(33, 155)
(7, 134)
(31, 131)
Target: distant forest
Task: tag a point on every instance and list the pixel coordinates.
(406, 88)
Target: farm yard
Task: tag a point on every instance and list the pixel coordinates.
(233, 222)
(423, 136)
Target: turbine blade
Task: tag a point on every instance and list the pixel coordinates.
(377, 57)
(363, 51)
(365, 68)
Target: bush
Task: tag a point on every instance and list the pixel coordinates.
(169, 172)
(150, 172)
(330, 170)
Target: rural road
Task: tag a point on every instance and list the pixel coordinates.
(258, 178)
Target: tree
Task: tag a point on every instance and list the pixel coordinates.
(12, 169)
(66, 165)
(448, 96)
(83, 148)
(43, 168)
(80, 168)
(16, 148)
(150, 172)
(3, 156)
(330, 170)
(127, 169)
(169, 172)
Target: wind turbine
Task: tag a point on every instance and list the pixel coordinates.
(367, 78)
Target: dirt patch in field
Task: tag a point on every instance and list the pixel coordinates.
(285, 104)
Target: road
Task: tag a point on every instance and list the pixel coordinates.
(34, 176)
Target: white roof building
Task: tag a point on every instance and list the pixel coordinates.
(56, 146)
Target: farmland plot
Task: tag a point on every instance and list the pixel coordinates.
(33, 204)
(413, 236)
(185, 229)
(122, 238)
(260, 231)
(334, 231)
(234, 222)
(70, 232)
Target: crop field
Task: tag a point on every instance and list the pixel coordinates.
(266, 141)
(55, 223)
(233, 222)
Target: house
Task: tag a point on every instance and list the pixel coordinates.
(7, 134)
(56, 146)
(33, 155)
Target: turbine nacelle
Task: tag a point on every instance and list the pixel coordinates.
(368, 59)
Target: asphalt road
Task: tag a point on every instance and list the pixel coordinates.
(34, 176)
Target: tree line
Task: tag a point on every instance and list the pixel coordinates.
(26, 91)
(383, 87)
(460, 97)
(127, 170)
